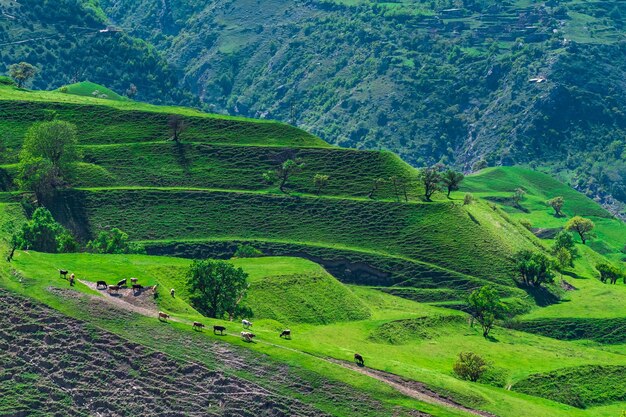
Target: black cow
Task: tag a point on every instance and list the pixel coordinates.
(286, 334)
(359, 359)
(101, 284)
(220, 329)
(122, 283)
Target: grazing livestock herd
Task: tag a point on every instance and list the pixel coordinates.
(196, 325)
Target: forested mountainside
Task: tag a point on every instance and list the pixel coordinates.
(466, 83)
(68, 40)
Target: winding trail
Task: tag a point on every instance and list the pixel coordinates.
(410, 388)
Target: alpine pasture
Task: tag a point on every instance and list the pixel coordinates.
(362, 266)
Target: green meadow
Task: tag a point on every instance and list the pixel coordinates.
(346, 273)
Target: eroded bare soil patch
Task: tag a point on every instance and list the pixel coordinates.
(51, 364)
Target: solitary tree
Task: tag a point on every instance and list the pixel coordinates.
(286, 170)
(557, 204)
(534, 268)
(177, 126)
(470, 366)
(320, 181)
(581, 226)
(217, 288)
(22, 72)
(485, 307)
(452, 179)
(48, 154)
(431, 179)
(608, 272)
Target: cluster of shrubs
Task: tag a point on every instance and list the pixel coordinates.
(44, 234)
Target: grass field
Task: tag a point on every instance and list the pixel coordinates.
(424, 352)
(346, 273)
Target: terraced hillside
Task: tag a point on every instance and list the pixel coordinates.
(209, 188)
(351, 269)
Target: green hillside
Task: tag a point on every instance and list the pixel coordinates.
(465, 83)
(346, 273)
(499, 184)
(89, 89)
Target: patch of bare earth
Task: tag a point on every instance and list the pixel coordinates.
(54, 365)
(413, 389)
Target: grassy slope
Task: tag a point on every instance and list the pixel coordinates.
(500, 183)
(409, 230)
(426, 358)
(594, 311)
(113, 121)
(87, 89)
(476, 240)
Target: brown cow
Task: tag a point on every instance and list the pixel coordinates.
(115, 288)
(197, 325)
(163, 316)
(247, 336)
(359, 359)
(134, 280)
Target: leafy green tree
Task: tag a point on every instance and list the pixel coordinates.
(47, 157)
(217, 288)
(43, 233)
(470, 366)
(565, 240)
(55, 141)
(609, 272)
(283, 173)
(485, 307)
(22, 72)
(431, 179)
(563, 258)
(114, 241)
(557, 204)
(581, 226)
(37, 174)
(535, 268)
(452, 180)
(320, 181)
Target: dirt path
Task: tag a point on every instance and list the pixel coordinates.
(410, 388)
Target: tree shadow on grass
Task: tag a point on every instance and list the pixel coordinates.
(543, 296)
(492, 339)
(181, 157)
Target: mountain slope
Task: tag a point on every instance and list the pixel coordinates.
(465, 83)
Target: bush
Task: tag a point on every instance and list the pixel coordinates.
(6, 80)
(468, 199)
(470, 366)
(114, 241)
(247, 251)
(42, 233)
